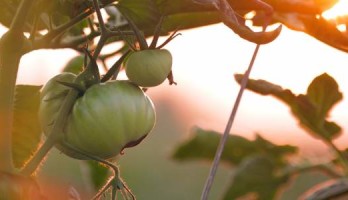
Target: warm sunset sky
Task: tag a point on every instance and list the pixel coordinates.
(205, 61)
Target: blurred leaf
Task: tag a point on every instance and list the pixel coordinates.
(144, 13)
(230, 19)
(204, 143)
(291, 20)
(326, 32)
(276, 152)
(75, 65)
(190, 20)
(324, 93)
(26, 129)
(306, 113)
(256, 175)
(325, 4)
(311, 109)
(59, 10)
(261, 86)
(98, 173)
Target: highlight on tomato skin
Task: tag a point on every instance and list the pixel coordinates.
(149, 68)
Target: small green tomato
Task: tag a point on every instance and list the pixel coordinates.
(149, 68)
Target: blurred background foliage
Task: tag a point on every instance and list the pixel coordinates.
(152, 173)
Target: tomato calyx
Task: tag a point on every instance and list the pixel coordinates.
(88, 77)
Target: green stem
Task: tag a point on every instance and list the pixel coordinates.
(56, 135)
(115, 68)
(323, 167)
(20, 18)
(221, 146)
(340, 156)
(12, 47)
(8, 74)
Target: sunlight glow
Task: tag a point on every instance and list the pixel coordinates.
(339, 9)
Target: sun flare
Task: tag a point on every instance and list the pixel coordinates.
(339, 9)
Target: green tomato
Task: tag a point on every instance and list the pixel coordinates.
(108, 117)
(51, 98)
(149, 68)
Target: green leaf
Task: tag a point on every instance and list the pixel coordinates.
(255, 175)
(98, 173)
(144, 13)
(324, 94)
(276, 152)
(185, 14)
(190, 20)
(261, 86)
(306, 112)
(26, 128)
(325, 31)
(311, 109)
(204, 143)
(75, 65)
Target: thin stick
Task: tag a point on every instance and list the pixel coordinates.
(221, 146)
(223, 139)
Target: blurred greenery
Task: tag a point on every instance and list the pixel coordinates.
(149, 170)
(75, 64)
(256, 174)
(203, 145)
(26, 131)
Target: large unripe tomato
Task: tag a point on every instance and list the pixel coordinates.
(110, 117)
(106, 119)
(149, 68)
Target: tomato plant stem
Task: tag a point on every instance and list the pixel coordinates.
(99, 16)
(325, 168)
(20, 18)
(340, 156)
(226, 133)
(8, 74)
(12, 47)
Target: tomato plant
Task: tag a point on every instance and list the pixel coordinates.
(93, 116)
